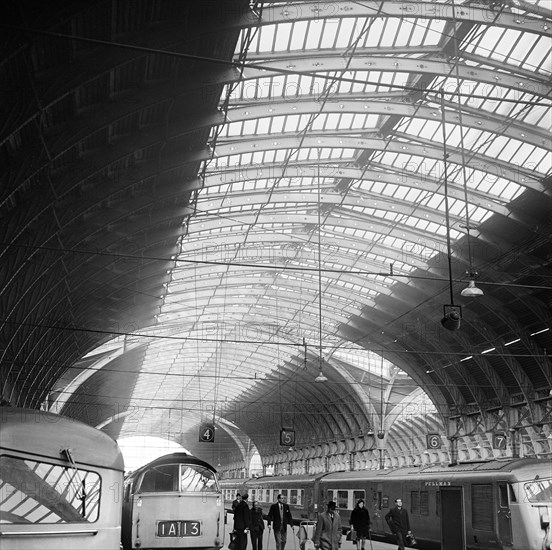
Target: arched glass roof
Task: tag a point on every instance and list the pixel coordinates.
(349, 131)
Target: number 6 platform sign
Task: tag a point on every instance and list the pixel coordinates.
(433, 441)
(207, 433)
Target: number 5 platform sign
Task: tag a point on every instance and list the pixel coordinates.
(207, 433)
(287, 437)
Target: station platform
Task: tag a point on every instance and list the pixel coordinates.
(293, 541)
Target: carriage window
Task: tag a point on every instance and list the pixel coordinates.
(357, 495)
(419, 503)
(329, 494)
(539, 491)
(414, 502)
(424, 503)
(38, 492)
(482, 507)
(293, 496)
(342, 500)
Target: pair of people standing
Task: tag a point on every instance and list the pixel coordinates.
(248, 520)
(397, 518)
(328, 531)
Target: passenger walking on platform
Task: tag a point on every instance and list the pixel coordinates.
(279, 517)
(399, 522)
(256, 528)
(327, 535)
(242, 521)
(360, 522)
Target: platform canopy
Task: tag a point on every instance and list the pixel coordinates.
(329, 217)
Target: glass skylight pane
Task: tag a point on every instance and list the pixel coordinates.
(347, 27)
(282, 36)
(266, 38)
(372, 38)
(277, 125)
(402, 32)
(262, 126)
(298, 35)
(249, 127)
(329, 33)
(313, 37)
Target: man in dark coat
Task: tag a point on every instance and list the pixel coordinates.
(399, 522)
(327, 535)
(242, 521)
(256, 528)
(279, 516)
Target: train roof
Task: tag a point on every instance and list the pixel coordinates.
(172, 458)
(484, 467)
(45, 434)
(307, 478)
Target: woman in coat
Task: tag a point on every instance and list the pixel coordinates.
(360, 522)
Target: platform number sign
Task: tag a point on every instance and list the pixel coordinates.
(287, 437)
(207, 433)
(499, 441)
(433, 441)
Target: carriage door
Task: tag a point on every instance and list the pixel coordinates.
(452, 518)
(504, 521)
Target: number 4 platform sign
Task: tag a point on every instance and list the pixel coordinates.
(207, 433)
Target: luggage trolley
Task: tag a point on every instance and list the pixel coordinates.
(305, 534)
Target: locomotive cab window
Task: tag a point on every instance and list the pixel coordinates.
(175, 477)
(539, 491)
(197, 479)
(160, 479)
(53, 493)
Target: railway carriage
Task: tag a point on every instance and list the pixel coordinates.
(492, 505)
(60, 483)
(173, 502)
